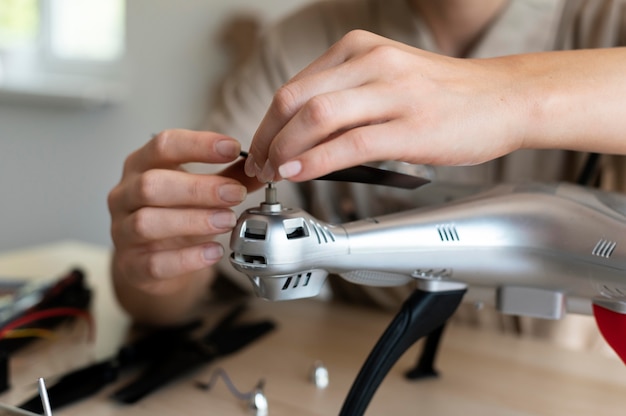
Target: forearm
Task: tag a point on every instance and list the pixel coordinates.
(166, 306)
(575, 100)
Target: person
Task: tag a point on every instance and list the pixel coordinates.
(468, 92)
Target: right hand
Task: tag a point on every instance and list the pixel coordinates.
(164, 219)
(369, 98)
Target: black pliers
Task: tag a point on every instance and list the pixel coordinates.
(166, 354)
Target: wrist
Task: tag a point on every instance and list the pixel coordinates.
(546, 97)
(573, 100)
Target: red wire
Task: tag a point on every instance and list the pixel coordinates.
(48, 313)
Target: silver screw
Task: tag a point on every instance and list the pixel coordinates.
(319, 375)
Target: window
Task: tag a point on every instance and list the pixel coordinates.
(19, 20)
(86, 29)
(62, 48)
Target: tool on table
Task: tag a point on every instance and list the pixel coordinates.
(45, 401)
(83, 382)
(166, 353)
(224, 339)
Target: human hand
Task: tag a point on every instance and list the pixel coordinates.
(164, 219)
(369, 98)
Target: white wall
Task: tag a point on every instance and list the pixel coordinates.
(58, 164)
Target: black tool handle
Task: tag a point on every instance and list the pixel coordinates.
(159, 373)
(422, 313)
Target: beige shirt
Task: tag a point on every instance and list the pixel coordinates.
(291, 44)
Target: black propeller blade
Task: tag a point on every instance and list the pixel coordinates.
(375, 176)
(372, 176)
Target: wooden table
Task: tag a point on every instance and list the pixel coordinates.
(483, 373)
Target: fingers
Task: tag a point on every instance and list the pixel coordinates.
(173, 188)
(374, 142)
(342, 90)
(330, 117)
(305, 97)
(308, 110)
(163, 219)
(318, 77)
(336, 116)
(153, 224)
(172, 148)
(149, 267)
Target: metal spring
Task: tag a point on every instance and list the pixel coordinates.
(220, 372)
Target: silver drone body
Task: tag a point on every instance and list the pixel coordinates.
(535, 250)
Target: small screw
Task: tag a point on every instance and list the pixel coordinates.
(319, 375)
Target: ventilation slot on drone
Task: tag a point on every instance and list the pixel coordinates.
(253, 259)
(322, 233)
(297, 279)
(614, 292)
(447, 232)
(295, 228)
(255, 230)
(296, 233)
(604, 248)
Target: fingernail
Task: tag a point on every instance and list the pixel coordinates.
(232, 193)
(257, 169)
(267, 174)
(290, 169)
(228, 148)
(248, 167)
(213, 252)
(224, 219)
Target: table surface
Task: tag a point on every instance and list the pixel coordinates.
(482, 372)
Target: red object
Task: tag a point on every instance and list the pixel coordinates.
(613, 328)
(48, 313)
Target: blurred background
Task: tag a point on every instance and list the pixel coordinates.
(85, 82)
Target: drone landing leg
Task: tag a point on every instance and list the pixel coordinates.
(421, 314)
(425, 366)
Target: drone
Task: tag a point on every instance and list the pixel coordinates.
(533, 249)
